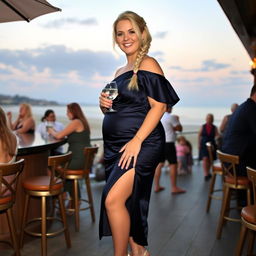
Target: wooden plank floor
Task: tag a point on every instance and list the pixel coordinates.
(178, 225)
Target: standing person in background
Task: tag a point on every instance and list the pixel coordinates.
(78, 133)
(171, 125)
(207, 133)
(133, 137)
(240, 136)
(25, 122)
(8, 141)
(49, 120)
(224, 124)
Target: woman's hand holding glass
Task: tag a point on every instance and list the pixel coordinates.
(104, 101)
(130, 153)
(110, 91)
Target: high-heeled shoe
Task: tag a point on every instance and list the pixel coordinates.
(146, 253)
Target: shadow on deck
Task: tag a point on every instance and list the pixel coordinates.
(178, 225)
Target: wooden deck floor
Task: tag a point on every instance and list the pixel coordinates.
(178, 225)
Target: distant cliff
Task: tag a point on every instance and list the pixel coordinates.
(17, 99)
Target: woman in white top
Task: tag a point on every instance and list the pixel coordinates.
(8, 141)
(49, 121)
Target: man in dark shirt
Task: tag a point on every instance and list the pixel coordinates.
(240, 137)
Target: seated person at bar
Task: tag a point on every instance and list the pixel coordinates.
(8, 141)
(25, 122)
(49, 120)
(78, 133)
(240, 137)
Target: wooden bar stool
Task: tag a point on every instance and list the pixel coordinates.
(248, 217)
(75, 176)
(216, 170)
(43, 187)
(9, 174)
(231, 182)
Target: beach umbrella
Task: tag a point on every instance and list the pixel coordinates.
(16, 10)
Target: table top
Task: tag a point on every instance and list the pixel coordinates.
(34, 143)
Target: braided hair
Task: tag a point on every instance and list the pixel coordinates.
(140, 28)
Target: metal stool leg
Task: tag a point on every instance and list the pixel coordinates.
(90, 199)
(64, 219)
(43, 227)
(76, 199)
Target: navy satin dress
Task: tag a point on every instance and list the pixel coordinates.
(120, 127)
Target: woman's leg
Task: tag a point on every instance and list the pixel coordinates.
(118, 216)
(157, 177)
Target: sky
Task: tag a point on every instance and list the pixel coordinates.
(68, 56)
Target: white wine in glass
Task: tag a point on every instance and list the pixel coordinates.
(112, 91)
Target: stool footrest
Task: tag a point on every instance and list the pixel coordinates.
(216, 197)
(51, 234)
(232, 219)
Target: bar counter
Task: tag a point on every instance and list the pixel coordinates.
(35, 150)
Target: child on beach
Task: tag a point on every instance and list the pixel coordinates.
(183, 152)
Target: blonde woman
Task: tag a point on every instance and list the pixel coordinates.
(133, 137)
(25, 122)
(8, 141)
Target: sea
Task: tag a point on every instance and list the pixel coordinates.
(190, 117)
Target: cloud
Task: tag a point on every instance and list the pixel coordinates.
(206, 66)
(212, 65)
(70, 22)
(56, 72)
(161, 35)
(159, 55)
(239, 72)
(61, 60)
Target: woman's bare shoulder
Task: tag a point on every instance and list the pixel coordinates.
(150, 64)
(119, 71)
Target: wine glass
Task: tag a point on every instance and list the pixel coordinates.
(112, 91)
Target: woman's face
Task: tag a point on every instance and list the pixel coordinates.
(22, 111)
(209, 119)
(126, 38)
(51, 117)
(69, 115)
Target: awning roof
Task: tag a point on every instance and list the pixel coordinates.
(242, 16)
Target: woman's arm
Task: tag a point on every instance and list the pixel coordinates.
(216, 132)
(12, 125)
(199, 137)
(132, 148)
(223, 124)
(71, 127)
(26, 125)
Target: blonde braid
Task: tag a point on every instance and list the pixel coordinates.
(133, 84)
